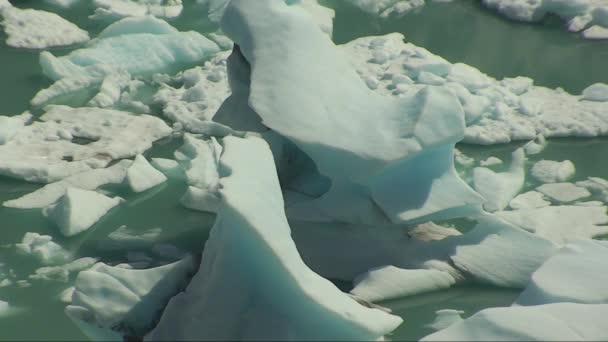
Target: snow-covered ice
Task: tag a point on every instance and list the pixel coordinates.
(79, 209)
(550, 171)
(36, 29)
(390, 282)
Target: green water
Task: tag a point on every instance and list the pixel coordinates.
(459, 31)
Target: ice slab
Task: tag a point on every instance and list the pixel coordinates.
(36, 29)
(564, 192)
(49, 150)
(43, 248)
(575, 274)
(499, 188)
(560, 224)
(530, 199)
(297, 304)
(127, 301)
(500, 254)
(371, 162)
(391, 282)
(111, 10)
(496, 111)
(551, 322)
(89, 180)
(142, 176)
(550, 171)
(79, 209)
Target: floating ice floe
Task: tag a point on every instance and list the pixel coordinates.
(550, 171)
(129, 301)
(36, 29)
(499, 188)
(588, 16)
(390, 282)
(530, 199)
(549, 322)
(79, 209)
(253, 223)
(43, 248)
(48, 150)
(560, 224)
(142, 176)
(496, 111)
(564, 192)
(88, 180)
(577, 273)
(111, 10)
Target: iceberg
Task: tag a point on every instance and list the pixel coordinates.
(376, 163)
(79, 209)
(36, 29)
(232, 282)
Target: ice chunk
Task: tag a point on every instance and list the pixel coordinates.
(125, 238)
(530, 199)
(498, 253)
(143, 51)
(576, 274)
(597, 32)
(491, 161)
(390, 282)
(560, 224)
(62, 273)
(117, 9)
(596, 92)
(469, 77)
(62, 3)
(297, 304)
(79, 209)
(499, 188)
(66, 295)
(36, 29)
(564, 192)
(550, 171)
(535, 146)
(43, 248)
(48, 151)
(10, 125)
(387, 8)
(596, 185)
(201, 199)
(142, 176)
(551, 322)
(370, 163)
(431, 232)
(445, 318)
(165, 165)
(89, 180)
(129, 301)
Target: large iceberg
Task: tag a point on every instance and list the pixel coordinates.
(252, 277)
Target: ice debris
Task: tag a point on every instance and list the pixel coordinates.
(43, 248)
(550, 171)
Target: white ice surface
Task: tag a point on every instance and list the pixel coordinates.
(577, 273)
(45, 151)
(142, 176)
(550, 322)
(79, 209)
(390, 282)
(564, 192)
(499, 188)
(250, 243)
(550, 171)
(560, 224)
(36, 29)
(89, 180)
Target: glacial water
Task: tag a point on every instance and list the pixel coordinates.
(459, 31)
